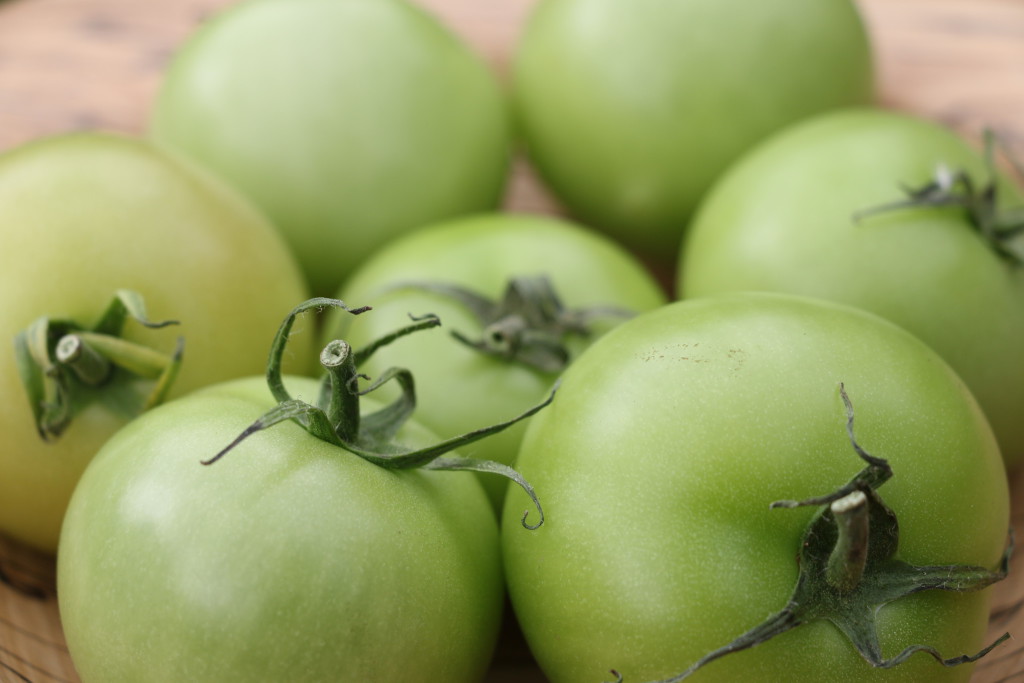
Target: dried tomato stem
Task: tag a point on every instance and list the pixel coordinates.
(850, 554)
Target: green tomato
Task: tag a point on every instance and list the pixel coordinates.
(82, 216)
(629, 110)
(660, 455)
(347, 122)
(785, 219)
(460, 388)
(289, 559)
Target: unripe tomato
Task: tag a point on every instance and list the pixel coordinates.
(348, 122)
(83, 216)
(630, 110)
(660, 456)
(804, 213)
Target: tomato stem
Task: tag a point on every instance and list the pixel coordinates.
(848, 571)
(88, 364)
(528, 325)
(64, 366)
(336, 418)
(343, 402)
(850, 554)
(1001, 228)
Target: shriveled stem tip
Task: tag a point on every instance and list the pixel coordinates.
(335, 353)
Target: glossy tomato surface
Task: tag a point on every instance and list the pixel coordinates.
(82, 216)
(287, 560)
(458, 387)
(348, 122)
(630, 110)
(784, 219)
(660, 455)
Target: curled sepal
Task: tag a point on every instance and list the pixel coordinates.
(421, 322)
(336, 417)
(957, 188)
(64, 366)
(849, 570)
(528, 324)
(492, 467)
(280, 341)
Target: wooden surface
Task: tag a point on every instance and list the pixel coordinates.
(95, 64)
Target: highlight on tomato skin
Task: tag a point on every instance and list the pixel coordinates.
(286, 556)
(279, 527)
(671, 437)
(629, 111)
(347, 123)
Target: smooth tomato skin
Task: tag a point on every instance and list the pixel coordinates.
(86, 214)
(662, 451)
(783, 220)
(630, 110)
(459, 388)
(289, 559)
(348, 123)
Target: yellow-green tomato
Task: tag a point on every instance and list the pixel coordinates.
(289, 559)
(794, 216)
(458, 387)
(662, 451)
(84, 215)
(348, 122)
(630, 110)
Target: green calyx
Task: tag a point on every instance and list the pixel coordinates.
(849, 570)
(528, 325)
(65, 367)
(948, 188)
(336, 417)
